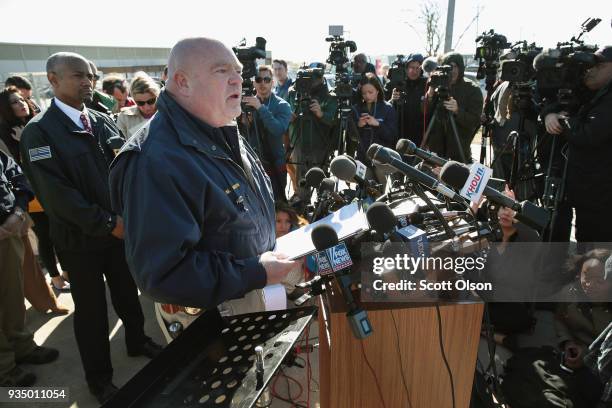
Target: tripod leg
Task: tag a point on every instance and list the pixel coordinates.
(429, 127)
(456, 136)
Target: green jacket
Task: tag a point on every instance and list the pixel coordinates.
(309, 137)
(441, 139)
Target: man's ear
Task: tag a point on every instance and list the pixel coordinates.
(53, 79)
(182, 83)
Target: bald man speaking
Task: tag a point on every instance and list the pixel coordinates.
(197, 205)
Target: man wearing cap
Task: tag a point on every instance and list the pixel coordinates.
(589, 166)
(465, 103)
(408, 102)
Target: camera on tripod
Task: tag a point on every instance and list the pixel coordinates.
(517, 65)
(440, 80)
(247, 56)
(560, 71)
(397, 73)
(306, 79)
(487, 54)
(339, 51)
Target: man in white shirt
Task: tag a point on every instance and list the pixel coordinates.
(66, 152)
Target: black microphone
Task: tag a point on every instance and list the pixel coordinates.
(456, 175)
(384, 155)
(334, 258)
(313, 177)
(353, 171)
(408, 148)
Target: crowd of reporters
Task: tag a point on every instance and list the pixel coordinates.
(293, 127)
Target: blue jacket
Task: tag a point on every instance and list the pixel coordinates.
(273, 121)
(195, 221)
(385, 134)
(282, 91)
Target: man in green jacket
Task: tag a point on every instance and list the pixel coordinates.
(465, 103)
(310, 138)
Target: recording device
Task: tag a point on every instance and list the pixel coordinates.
(397, 74)
(491, 44)
(560, 71)
(517, 64)
(440, 80)
(333, 258)
(385, 155)
(456, 175)
(339, 50)
(247, 56)
(305, 81)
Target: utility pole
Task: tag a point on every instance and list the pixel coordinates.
(450, 18)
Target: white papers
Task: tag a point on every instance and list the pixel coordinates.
(347, 221)
(275, 297)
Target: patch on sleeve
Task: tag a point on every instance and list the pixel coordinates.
(40, 153)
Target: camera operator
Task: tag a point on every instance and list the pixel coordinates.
(309, 132)
(589, 136)
(374, 120)
(465, 102)
(361, 65)
(410, 122)
(271, 115)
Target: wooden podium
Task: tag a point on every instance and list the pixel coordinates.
(346, 380)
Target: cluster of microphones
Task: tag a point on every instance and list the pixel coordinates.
(442, 212)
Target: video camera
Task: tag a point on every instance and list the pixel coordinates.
(560, 71)
(247, 56)
(440, 80)
(487, 54)
(397, 73)
(339, 51)
(304, 83)
(517, 65)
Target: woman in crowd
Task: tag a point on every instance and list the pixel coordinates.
(144, 91)
(375, 119)
(15, 112)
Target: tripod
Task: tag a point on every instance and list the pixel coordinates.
(439, 107)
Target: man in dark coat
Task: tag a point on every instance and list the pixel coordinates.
(65, 152)
(465, 104)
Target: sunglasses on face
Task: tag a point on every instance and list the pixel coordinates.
(267, 80)
(148, 102)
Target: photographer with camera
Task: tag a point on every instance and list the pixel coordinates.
(271, 115)
(310, 140)
(589, 136)
(407, 98)
(464, 100)
(374, 120)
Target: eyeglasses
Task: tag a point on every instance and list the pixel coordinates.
(148, 102)
(267, 80)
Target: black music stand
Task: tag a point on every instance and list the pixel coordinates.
(211, 364)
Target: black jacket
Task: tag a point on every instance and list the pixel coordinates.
(68, 169)
(14, 189)
(410, 110)
(589, 172)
